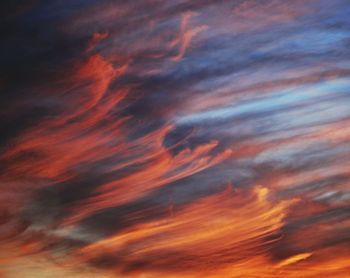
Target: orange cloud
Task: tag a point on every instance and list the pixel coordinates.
(227, 233)
(185, 35)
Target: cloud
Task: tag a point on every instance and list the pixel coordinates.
(122, 123)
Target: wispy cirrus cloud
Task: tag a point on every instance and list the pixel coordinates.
(175, 138)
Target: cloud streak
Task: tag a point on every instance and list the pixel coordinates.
(175, 139)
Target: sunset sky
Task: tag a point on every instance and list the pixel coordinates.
(175, 139)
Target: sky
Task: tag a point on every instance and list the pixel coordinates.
(175, 139)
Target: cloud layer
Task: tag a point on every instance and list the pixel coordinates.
(175, 139)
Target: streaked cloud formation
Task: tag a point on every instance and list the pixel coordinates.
(175, 139)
